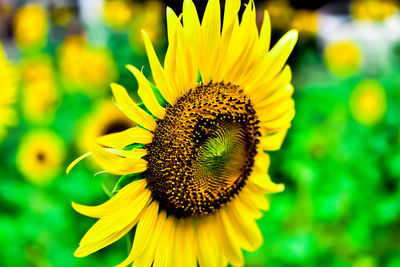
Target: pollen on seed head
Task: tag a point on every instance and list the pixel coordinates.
(203, 150)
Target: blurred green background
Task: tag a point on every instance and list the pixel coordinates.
(340, 161)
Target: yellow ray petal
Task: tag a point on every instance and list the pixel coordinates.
(120, 140)
(116, 164)
(250, 213)
(146, 93)
(210, 35)
(273, 63)
(274, 91)
(143, 233)
(258, 199)
(274, 141)
(261, 183)
(88, 249)
(227, 243)
(131, 110)
(265, 35)
(184, 252)
(76, 161)
(121, 199)
(191, 27)
(184, 69)
(119, 219)
(161, 80)
(246, 226)
(207, 246)
(249, 205)
(147, 257)
(165, 246)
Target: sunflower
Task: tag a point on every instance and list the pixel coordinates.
(30, 26)
(196, 164)
(8, 94)
(40, 94)
(85, 68)
(105, 118)
(343, 58)
(368, 102)
(40, 156)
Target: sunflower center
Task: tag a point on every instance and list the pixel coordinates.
(202, 151)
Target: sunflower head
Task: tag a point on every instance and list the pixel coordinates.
(40, 156)
(368, 102)
(40, 94)
(30, 26)
(84, 68)
(195, 162)
(343, 58)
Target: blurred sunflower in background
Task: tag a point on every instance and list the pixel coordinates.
(31, 26)
(343, 58)
(195, 166)
(8, 94)
(105, 118)
(368, 102)
(40, 93)
(40, 156)
(85, 68)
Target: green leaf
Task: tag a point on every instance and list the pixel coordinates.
(158, 95)
(125, 180)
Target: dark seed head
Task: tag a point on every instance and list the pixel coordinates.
(203, 150)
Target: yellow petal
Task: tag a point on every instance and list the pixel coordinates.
(122, 198)
(274, 141)
(274, 91)
(265, 34)
(88, 249)
(116, 164)
(191, 27)
(143, 233)
(259, 200)
(146, 258)
(246, 226)
(146, 93)
(76, 161)
(111, 228)
(207, 246)
(261, 183)
(273, 63)
(184, 251)
(227, 243)
(165, 247)
(184, 70)
(120, 140)
(161, 80)
(131, 110)
(210, 35)
(248, 204)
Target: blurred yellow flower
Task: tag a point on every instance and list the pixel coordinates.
(84, 68)
(30, 26)
(40, 156)
(281, 12)
(306, 22)
(8, 93)
(150, 18)
(376, 10)
(368, 102)
(40, 94)
(343, 58)
(105, 118)
(118, 13)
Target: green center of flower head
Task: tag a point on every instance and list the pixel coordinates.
(203, 150)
